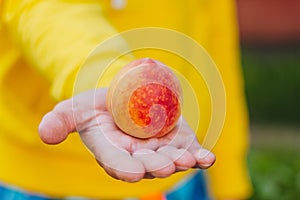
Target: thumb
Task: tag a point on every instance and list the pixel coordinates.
(57, 124)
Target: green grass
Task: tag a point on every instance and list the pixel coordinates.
(274, 161)
(275, 174)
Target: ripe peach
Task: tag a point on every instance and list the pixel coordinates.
(145, 99)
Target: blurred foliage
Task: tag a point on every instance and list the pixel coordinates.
(275, 173)
(272, 83)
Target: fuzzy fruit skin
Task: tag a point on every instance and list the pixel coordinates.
(144, 99)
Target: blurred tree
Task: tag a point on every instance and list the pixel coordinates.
(272, 84)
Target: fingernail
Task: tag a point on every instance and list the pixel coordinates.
(205, 158)
(203, 153)
(206, 165)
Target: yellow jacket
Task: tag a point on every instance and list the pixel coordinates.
(42, 45)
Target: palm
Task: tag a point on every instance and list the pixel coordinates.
(122, 156)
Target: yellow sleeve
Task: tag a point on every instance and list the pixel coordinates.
(229, 176)
(57, 38)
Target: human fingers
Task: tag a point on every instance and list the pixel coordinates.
(57, 124)
(117, 162)
(204, 158)
(123, 167)
(184, 138)
(182, 158)
(156, 164)
(71, 115)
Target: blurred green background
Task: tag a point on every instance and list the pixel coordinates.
(270, 50)
(273, 93)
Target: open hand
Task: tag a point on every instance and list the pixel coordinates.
(122, 156)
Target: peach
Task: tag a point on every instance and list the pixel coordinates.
(144, 99)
